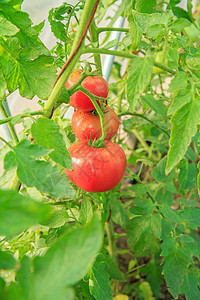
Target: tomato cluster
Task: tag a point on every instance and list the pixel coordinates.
(94, 169)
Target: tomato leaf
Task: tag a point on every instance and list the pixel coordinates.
(190, 285)
(176, 262)
(27, 35)
(41, 174)
(7, 28)
(184, 127)
(46, 132)
(179, 82)
(34, 75)
(139, 75)
(7, 260)
(67, 261)
(154, 104)
(182, 97)
(99, 284)
(144, 21)
(18, 212)
(144, 6)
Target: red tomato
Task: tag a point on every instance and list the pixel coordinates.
(86, 124)
(96, 169)
(94, 84)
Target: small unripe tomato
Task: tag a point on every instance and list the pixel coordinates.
(96, 85)
(96, 169)
(86, 125)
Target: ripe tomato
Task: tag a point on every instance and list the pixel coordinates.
(86, 124)
(96, 169)
(94, 84)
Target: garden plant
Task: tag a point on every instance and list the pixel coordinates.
(105, 205)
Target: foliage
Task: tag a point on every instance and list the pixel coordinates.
(58, 241)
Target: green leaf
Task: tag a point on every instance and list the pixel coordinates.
(33, 76)
(58, 28)
(24, 288)
(46, 132)
(170, 214)
(144, 21)
(57, 219)
(183, 97)
(179, 82)
(159, 171)
(145, 291)
(99, 284)
(175, 265)
(145, 7)
(7, 261)
(2, 288)
(190, 287)
(67, 261)
(145, 207)
(7, 28)
(41, 174)
(18, 212)
(192, 216)
(139, 75)
(111, 44)
(9, 161)
(136, 33)
(119, 214)
(86, 211)
(184, 127)
(141, 231)
(27, 35)
(187, 176)
(154, 104)
(113, 269)
(154, 276)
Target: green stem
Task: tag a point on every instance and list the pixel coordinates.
(102, 29)
(15, 183)
(126, 55)
(95, 38)
(34, 113)
(11, 128)
(145, 118)
(60, 84)
(111, 239)
(99, 111)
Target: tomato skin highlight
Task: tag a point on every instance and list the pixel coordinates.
(94, 84)
(86, 124)
(96, 169)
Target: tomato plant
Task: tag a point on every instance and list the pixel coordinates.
(94, 84)
(96, 169)
(86, 125)
(104, 219)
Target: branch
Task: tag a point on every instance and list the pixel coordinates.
(34, 113)
(126, 55)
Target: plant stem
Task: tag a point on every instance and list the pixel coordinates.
(126, 55)
(99, 111)
(15, 183)
(95, 38)
(11, 128)
(34, 113)
(111, 239)
(145, 118)
(102, 29)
